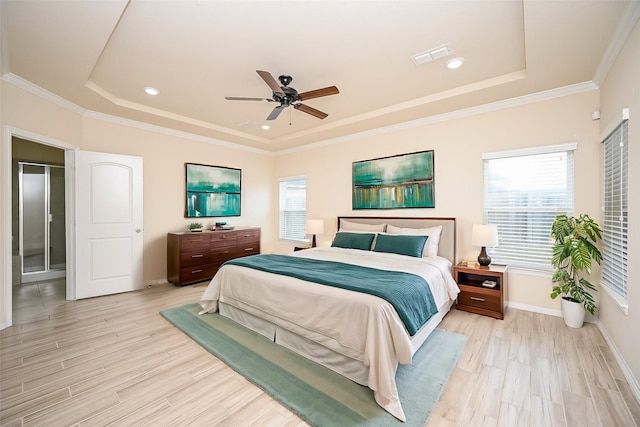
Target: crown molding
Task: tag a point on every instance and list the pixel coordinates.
(44, 94)
(173, 132)
(465, 112)
(619, 38)
(26, 85)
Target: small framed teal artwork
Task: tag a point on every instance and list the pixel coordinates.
(212, 191)
(395, 182)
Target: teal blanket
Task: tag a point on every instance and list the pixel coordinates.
(408, 293)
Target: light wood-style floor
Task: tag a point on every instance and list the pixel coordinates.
(115, 361)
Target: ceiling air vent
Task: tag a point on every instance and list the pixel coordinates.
(432, 54)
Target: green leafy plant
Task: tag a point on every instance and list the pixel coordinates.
(194, 226)
(574, 251)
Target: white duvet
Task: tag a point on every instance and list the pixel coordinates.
(361, 326)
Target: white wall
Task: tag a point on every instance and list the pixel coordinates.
(164, 154)
(621, 89)
(458, 145)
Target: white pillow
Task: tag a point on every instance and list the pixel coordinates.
(431, 248)
(354, 226)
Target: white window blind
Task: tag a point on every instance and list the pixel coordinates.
(524, 190)
(293, 208)
(615, 187)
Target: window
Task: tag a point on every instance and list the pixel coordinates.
(524, 190)
(616, 215)
(293, 208)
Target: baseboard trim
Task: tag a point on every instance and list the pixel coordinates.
(631, 379)
(534, 308)
(150, 283)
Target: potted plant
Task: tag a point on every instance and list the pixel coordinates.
(195, 226)
(574, 251)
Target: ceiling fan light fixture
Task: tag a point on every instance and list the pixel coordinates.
(454, 63)
(151, 91)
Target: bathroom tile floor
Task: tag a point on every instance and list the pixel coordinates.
(35, 299)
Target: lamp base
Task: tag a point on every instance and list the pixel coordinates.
(313, 241)
(484, 259)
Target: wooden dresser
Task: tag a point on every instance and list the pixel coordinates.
(196, 256)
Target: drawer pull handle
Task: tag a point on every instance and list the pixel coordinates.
(196, 256)
(196, 271)
(477, 299)
(247, 235)
(248, 249)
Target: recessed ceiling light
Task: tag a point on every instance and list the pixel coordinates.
(266, 127)
(151, 90)
(454, 63)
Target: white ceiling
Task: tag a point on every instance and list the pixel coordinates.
(100, 54)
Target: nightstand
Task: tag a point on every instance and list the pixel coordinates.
(476, 298)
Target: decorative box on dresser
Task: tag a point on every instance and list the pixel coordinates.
(475, 297)
(195, 257)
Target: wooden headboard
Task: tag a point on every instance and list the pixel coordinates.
(447, 245)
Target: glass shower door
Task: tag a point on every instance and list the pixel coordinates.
(42, 227)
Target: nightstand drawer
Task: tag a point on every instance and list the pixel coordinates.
(478, 300)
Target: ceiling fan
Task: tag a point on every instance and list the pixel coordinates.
(288, 96)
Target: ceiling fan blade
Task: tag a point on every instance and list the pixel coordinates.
(276, 112)
(240, 98)
(309, 110)
(268, 79)
(331, 90)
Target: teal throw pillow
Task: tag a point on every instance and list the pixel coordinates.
(400, 244)
(360, 241)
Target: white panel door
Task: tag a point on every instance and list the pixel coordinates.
(109, 227)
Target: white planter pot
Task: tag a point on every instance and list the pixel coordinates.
(573, 313)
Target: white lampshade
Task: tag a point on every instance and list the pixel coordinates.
(484, 235)
(315, 226)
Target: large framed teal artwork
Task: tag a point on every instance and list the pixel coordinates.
(212, 191)
(395, 182)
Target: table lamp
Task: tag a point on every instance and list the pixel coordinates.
(484, 235)
(313, 227)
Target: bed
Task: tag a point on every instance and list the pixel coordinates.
(362, 336)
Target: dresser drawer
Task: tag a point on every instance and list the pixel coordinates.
(480, 300)
(222, 239)
(195, 257)
(194, 241)
(249, 249)
(191, 258)
(196, 273)
(248, 236)
(220, 255)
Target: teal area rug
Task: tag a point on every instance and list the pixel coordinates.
(318, 395)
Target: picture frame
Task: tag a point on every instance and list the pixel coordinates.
(212, 191)
(394, 182)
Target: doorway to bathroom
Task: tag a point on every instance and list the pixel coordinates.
(39, 230)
